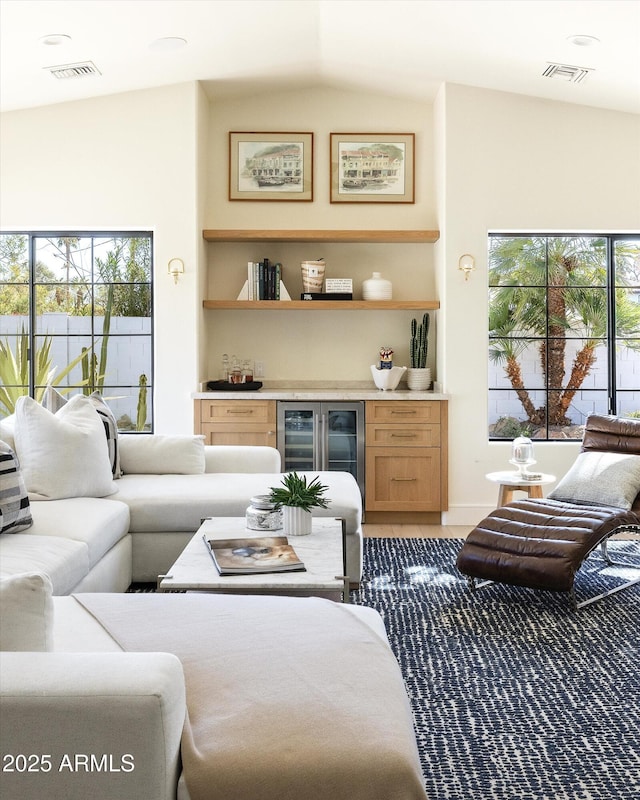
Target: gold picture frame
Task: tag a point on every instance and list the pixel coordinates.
(372, 167)
(270, 166)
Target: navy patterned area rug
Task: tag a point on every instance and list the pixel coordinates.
(515, 695)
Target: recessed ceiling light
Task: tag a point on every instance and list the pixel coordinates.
(583, 40)
(168, 43)
(54, 39)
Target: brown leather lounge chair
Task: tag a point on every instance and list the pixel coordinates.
(542, 543)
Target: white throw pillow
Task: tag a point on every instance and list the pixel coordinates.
(158, 454)
(7, 429)
(63, 454)
(26, 612)
(53, 401)
(602, 479)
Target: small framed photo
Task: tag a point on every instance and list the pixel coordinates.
(372, 167)
(270, 166)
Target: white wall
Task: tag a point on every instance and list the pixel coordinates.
(485, 161)
(122, 162)
(514, 163)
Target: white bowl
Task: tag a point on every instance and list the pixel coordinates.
(387, 379)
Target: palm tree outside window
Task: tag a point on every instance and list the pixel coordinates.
(564, 332)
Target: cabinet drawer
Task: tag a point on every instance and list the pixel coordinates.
(245, 435)
(403, 479)
(234, 412)
(398, 435)
(402, 411)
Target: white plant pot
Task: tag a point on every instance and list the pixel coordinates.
(296, 521)
(419, 380)
(387, 379)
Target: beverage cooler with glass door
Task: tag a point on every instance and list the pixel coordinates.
(322, 436)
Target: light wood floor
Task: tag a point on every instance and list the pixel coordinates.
(436, 532)
(417, 531)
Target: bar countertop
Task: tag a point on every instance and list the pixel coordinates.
(319, 391)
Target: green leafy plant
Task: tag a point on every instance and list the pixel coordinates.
(419, 344)
(14, 371)
(296, 492)
(141, 417)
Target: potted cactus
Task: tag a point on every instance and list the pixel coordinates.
(297, 497)
(419, 375)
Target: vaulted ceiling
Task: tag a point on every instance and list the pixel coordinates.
(400, 47)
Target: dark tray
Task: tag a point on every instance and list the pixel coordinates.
(225, 386)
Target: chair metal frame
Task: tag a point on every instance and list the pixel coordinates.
(635, 529)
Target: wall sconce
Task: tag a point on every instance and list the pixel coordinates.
(176, 268)
(467, 264)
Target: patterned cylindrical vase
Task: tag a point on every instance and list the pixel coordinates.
(312, 275)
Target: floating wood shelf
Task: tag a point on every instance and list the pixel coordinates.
(368, 236)
(323, 305)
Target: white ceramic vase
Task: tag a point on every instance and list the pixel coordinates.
(296, 521)
(376, 288)
(419, 380)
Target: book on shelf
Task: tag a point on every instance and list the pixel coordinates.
(264, 281)
(252, 556)
(338, 285)
(326, 296)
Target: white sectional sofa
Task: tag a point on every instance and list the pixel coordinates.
(294, 686)
(167, 486)
(325, 716)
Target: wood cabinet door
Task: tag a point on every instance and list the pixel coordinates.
(382, 434)
(405, 411)
(248, 435)
(402, 479)
(225, 412)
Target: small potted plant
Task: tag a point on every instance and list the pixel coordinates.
(419, 375)
(297, 497)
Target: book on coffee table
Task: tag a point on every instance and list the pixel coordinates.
(253, 556)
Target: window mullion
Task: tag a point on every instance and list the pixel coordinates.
(611, 325)
(33, 310)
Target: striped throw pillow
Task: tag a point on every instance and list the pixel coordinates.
(110, 431)
(15, 512)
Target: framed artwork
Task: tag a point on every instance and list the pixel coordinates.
(270, 166)
(372, 167)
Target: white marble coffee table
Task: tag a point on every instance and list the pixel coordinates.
(322, 553)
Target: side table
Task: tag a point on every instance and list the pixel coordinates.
(511, 482)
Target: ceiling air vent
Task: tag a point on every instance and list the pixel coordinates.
(81, 70)
(566, 72)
